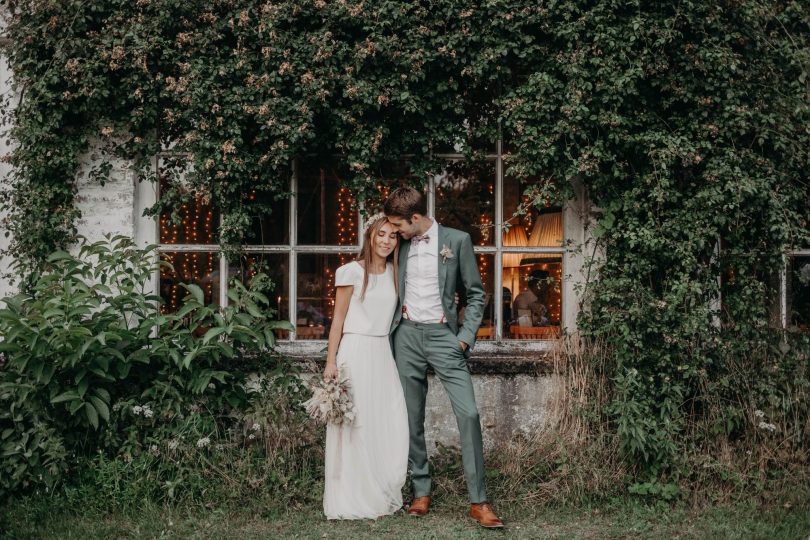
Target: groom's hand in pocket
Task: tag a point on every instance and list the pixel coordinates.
(464, 346)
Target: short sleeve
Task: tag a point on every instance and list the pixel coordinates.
(346, 275)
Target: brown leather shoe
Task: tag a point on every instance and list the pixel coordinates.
(420, 506)
(485, 515)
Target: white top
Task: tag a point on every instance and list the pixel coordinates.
(372, 316)
(423, 301)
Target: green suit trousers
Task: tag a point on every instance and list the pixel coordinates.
(417, 346)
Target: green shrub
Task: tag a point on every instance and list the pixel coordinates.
(91, 363)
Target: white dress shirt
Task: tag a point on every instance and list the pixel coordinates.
(423, 302)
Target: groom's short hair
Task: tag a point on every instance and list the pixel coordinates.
(404, 202)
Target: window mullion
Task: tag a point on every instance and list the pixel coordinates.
(498, 299)
(292, 284)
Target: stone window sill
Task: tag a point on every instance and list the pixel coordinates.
(488, 358)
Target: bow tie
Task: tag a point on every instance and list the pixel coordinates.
(420, 237)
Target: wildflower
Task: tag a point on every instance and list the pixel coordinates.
(211, 386)
(137, 410)
(173, 444)
(72, 66)
(147, 411)
(759, 414)
(285, 68)
(153, 450)
(251, 436)
(767, 427)
(202, 443)
(256, 427)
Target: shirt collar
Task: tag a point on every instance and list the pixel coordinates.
(433, 231)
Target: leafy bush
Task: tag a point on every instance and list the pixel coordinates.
(91, 362)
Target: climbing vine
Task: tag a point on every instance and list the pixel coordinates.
(687, 124)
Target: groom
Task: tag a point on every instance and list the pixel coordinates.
(434, 263)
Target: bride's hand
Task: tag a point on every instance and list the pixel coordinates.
(330, 372)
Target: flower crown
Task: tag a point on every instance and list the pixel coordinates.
(372, 220)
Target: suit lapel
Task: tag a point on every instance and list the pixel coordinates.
(443, 241)
(403, 267)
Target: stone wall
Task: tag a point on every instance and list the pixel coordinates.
(515, 388)
(508, 404)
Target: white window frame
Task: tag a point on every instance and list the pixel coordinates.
(783, 280)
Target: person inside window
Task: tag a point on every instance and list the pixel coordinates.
(529, 308)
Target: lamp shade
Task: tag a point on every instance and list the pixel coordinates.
(515, 236)
(547, 232)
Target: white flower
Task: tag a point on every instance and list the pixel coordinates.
(147, 412)
(211, 386)
(153, 450)
(372, 220)
(251, 436)
(202, 443)
(136, 410)
(766, 426)
(759, 414)
(173, 444)
(446, 253)
(255, 427)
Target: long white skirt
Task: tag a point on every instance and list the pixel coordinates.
(366, 462)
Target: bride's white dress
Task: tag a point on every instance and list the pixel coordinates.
(366, 462)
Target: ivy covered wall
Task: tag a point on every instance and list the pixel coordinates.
(686, 122)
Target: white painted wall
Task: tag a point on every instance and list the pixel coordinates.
(6, 288)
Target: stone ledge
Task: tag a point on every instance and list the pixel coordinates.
(491, 359)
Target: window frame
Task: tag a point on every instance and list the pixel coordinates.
(497, 344)
(783, 280)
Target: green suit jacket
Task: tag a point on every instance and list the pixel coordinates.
(457, 272)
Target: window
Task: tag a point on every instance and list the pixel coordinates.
(796, 297)
(307, 236)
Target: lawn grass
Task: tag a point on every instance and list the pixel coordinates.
(621, 519)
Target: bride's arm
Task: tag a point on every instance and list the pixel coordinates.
(343, 296)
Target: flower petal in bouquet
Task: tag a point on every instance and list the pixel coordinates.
(331, 401)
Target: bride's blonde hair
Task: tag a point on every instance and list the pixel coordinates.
(373, 226)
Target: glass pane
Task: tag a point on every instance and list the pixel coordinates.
(532, 226)
(194, 220)
(533, 294)
(270, 223)
(273, 265)
(325, 214)
(276, 267)
(316, 293)
(798, 292)
(486, 266)
(465, 199)
(198, 268)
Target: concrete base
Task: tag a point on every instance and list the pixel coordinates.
(508, 405)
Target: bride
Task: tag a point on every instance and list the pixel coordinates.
(366, 462)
